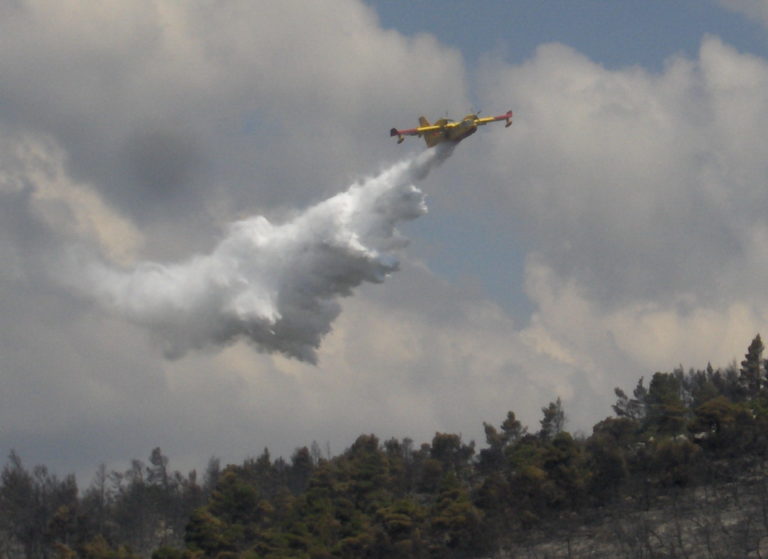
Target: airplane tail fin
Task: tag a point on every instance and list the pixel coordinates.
(423, 121)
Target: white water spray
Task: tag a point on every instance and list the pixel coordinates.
(276, 285)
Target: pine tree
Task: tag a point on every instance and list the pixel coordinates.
(751, 374)
(553, 421)
(666, 412)
(631, 408)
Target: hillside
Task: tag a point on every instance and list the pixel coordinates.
(677, 471)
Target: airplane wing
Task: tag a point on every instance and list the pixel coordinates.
(487, 119)
(409, 132)
(418, 131)
(413, 131)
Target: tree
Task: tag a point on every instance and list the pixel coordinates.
(722, 426)
(95, 503)
(368, 471)
(631, 408)
(499, 442)
(99, 548)
(492, 458)
(565, 466)
(673, 461)
(512, 429)
(666, 413)
(17, 514)
(402, 522)
(207, 533)
(607, 464)
(300, 470)
(622, 431)
(751, 373)
(452, 454)
(157, 473)
(702, 386)
(553, 421)
(37, 510)
(455, 522)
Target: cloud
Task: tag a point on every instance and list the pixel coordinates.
(636, 339)
(35, 168)
(178, 110)
(629, 180)
(640, 198)
(754, 9)
(141, 129)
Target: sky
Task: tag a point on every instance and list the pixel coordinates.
(619, 227)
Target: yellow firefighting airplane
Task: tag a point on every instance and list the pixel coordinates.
(447, 130)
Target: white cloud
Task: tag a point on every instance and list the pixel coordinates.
(635, 183)
(637, 196)
(143, 128)
(617, 346)
(641, 198)
(618, 175)
(186, 115)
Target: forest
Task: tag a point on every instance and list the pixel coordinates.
(678, 470)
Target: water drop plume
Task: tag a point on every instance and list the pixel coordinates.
(276, 285)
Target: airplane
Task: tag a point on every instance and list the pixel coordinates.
(447, 130)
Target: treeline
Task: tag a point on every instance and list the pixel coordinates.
(121, 514)
(393, 499)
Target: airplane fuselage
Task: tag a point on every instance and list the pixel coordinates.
(464, 129)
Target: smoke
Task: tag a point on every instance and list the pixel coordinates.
(276, 285)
